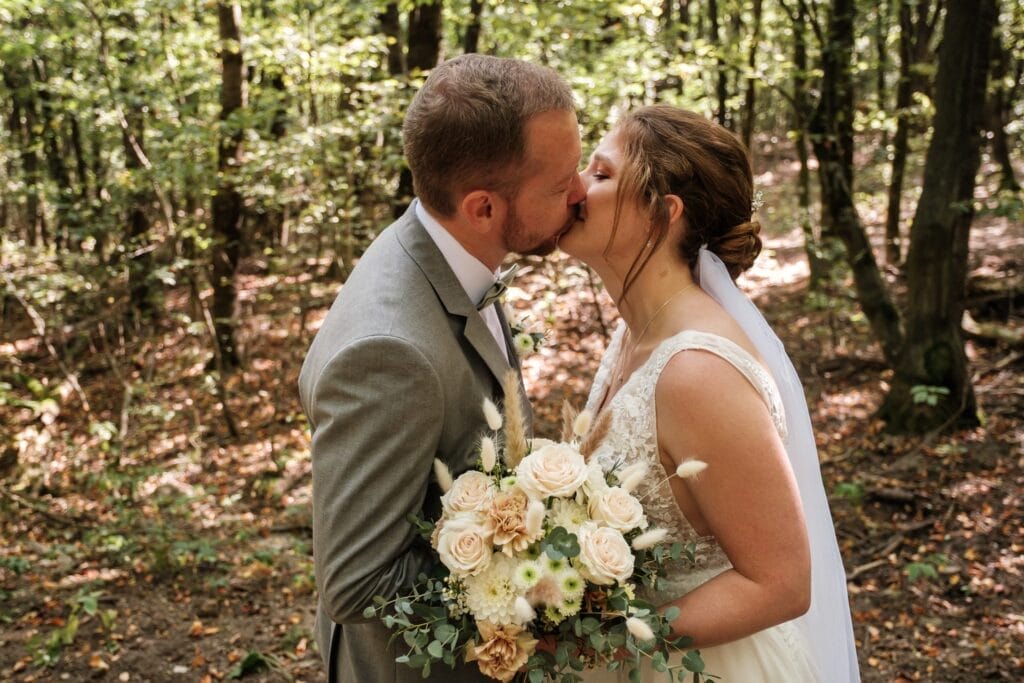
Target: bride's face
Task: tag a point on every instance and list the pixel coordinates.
(590, 239)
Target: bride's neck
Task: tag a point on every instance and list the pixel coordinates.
(660, 280)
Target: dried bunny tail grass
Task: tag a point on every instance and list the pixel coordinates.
(443, 474)
(568, 420)
(515, 426)
(595, 436)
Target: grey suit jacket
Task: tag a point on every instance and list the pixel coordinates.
(394, 378)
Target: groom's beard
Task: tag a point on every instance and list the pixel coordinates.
(520, 241)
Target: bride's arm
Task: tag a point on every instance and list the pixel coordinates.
(746, 498)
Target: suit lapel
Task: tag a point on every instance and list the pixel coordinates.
(417, 243)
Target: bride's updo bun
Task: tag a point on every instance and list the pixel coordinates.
(739, 247)
(671, 151)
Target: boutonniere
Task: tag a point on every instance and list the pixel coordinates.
(526, 337)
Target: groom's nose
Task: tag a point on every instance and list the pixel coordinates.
(578, 191)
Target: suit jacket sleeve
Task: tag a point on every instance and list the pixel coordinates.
(377, 410)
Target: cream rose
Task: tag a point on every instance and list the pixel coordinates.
(552, 470)
(606, 558)
(594, 485)
(618, 509)
(464, 545)
(470, 492)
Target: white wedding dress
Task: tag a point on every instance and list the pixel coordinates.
(779, 653)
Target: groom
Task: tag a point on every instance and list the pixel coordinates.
(398, 371)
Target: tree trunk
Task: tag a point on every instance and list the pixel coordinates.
(23, 127)
(471, 41)
(58, 170)
(424, 50)
(832, 139)
(140, 263)
(802, 112)
(721, 86)
(391, 27)
(999, 111)
(915, 38)
(226, 206)
(750, 113)
(933, 355)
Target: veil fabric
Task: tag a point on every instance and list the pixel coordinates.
(827, 624)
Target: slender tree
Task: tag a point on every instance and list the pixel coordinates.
(917, 20)
(471, 41)
(999, 111)
(750, 106)
(832, 139)
(932, 361)
(226, 208)
(425, 33)
(391, 27)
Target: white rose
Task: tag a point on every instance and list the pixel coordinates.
(618, 509)
(595, 484)
(552, 470)
(606, 558)
(470, 492)
(464, 545)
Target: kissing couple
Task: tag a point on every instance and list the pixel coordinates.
(415, 340)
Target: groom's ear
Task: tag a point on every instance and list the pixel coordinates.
(675, 207)
(483, 210)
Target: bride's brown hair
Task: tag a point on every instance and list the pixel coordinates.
(671, 151)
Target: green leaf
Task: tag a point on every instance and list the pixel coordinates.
(693, 662)
(252, 663)
(435, 649)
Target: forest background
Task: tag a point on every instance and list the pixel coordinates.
(185, 185)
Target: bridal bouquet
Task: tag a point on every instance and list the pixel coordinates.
(540, 552)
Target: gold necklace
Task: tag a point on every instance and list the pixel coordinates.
(620, 362)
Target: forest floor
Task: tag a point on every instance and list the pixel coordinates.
(160, 530)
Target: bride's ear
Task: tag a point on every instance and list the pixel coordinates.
(675, 207)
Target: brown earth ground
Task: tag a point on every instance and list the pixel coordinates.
(162, 548)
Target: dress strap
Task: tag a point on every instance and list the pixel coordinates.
(734, 354)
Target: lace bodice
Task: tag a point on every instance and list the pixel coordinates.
(633, 438)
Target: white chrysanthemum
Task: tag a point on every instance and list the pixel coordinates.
(527, 574)
(571, 606)
(523, 343)
(491, 594)
(553, 566)
(567, 514)
(571, 583)
(553, 614)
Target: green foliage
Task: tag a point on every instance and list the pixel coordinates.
(923, 394)
(46, 648)
(851, 491)
(927, 568)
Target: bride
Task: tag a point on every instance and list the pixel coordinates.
(694, 371)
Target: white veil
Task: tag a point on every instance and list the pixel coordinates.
(827, 623)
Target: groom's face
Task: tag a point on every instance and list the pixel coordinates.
(545, 204)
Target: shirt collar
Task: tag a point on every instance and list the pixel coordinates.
(472, 274)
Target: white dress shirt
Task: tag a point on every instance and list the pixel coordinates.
(474, 276)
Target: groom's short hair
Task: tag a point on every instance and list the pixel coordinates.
(466, 127)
